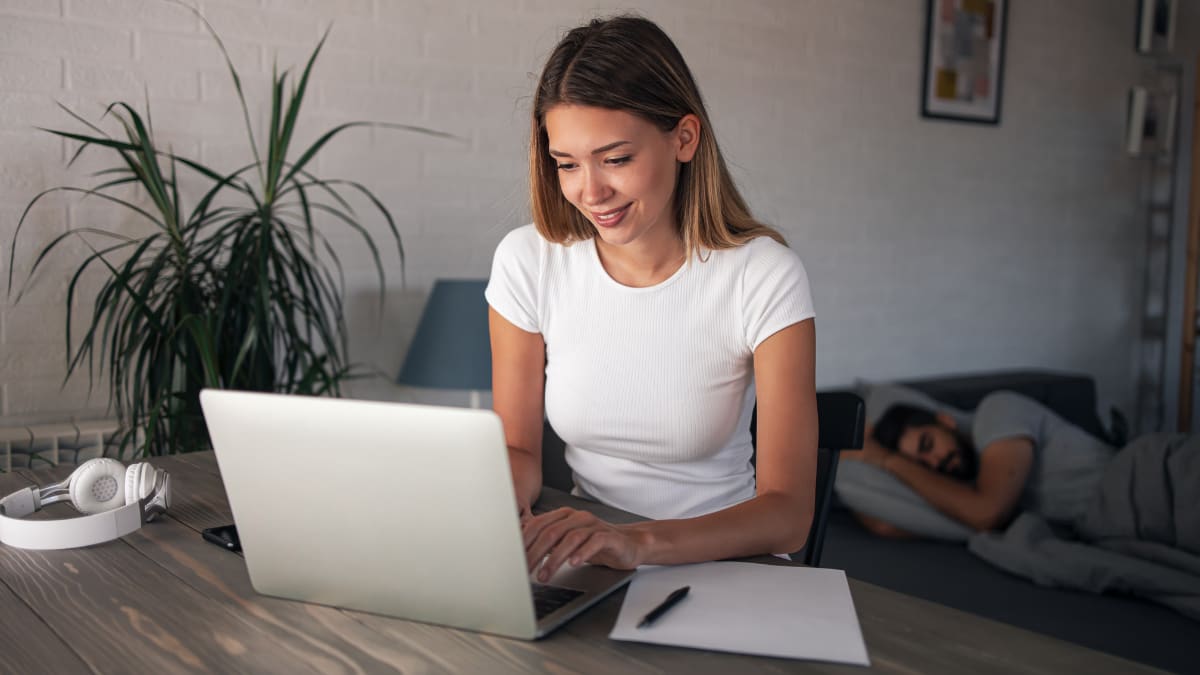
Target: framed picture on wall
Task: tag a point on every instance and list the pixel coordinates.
(964, 60)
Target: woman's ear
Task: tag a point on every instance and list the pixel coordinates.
(687, 137)
(947, 421)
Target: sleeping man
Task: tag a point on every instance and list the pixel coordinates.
(1015, 456)
(1032, 494)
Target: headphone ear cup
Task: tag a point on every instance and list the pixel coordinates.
(98, 485)
(139, 482)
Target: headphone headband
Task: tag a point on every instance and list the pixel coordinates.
(87, 530)
(71, 532)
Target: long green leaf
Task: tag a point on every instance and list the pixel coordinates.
(49, 247)
(293, 112)
(243, 290)
(233, 73)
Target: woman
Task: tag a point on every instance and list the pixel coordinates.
(646, 308)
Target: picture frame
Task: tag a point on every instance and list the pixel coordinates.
(1155, 30)
(964, 60)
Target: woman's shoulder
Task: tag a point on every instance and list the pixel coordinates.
(527, 241)
(523, 238)
(523, 246)
(766, 255)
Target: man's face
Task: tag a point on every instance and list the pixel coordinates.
(938, 447)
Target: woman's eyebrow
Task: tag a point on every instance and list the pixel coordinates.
(603, 148)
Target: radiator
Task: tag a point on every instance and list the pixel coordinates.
(46, 445)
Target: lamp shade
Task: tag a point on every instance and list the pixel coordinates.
(451, 349)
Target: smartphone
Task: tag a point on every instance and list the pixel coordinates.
(225, 536)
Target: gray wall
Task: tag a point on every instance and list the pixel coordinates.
(932, 247)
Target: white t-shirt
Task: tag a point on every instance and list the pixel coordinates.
(652, 388)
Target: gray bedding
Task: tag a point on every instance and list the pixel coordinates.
(1139, 535)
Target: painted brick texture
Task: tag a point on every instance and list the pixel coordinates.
(932, 247)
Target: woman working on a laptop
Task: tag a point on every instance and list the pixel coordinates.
(646, 308)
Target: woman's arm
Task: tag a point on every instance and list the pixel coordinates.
(776, 520)
(518, 381)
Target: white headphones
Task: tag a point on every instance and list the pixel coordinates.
(117, 501)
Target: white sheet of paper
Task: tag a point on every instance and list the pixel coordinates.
(769, 610)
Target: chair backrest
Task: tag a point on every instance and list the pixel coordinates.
(555, 471)
(841, 417)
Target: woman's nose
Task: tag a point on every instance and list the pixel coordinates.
(595, 189)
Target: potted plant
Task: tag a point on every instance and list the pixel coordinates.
(240, 290)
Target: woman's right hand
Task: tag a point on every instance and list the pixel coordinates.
(569, 536)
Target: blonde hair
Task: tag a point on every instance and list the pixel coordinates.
(628, 63)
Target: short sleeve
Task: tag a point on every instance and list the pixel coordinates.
(512, 289)
(775, 290)
(1006, 414)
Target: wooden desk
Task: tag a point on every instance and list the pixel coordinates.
(164, 600)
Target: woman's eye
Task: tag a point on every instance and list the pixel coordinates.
(617, 161)
(565, 166)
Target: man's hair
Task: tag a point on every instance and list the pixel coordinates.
(896, 419)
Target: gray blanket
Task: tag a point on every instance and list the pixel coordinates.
(1140, 534)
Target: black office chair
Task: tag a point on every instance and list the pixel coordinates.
(841, 418)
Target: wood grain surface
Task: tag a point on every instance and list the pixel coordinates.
(163, 600)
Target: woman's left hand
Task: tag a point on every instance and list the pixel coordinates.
(579, 537)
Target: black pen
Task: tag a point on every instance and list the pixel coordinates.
(672, 600)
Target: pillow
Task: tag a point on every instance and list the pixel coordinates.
(873, 491)
(870, 490)
(880, 396)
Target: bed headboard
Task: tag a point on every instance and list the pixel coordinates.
(1071, 395)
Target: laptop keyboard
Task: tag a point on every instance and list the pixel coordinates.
(547, 599)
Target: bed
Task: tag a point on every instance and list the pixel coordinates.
(949, 574)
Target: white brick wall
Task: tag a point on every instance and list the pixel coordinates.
(932, 247)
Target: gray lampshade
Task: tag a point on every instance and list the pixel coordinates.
(451, 348)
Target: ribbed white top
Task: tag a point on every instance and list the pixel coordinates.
(652, 388)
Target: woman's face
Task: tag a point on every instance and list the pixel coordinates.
(619, 170)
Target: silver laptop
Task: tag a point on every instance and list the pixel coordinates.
(392, 508)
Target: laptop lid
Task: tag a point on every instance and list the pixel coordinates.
(398, 509)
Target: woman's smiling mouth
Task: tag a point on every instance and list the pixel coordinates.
(610, 218)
